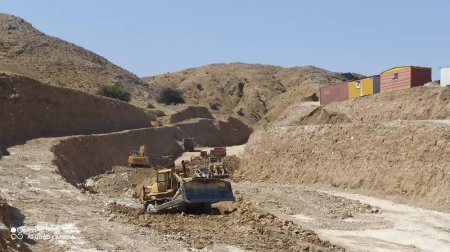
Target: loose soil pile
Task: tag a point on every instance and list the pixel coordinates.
(121, 182)
(239, 224)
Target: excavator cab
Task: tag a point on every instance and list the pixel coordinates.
(139, 158)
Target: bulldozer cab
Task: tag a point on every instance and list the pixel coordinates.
(166, 181)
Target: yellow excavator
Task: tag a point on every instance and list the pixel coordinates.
(173, 191)
(139, 158)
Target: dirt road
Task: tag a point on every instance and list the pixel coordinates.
(411, 228)
(267, 216)
(356, 222)
(59, 216)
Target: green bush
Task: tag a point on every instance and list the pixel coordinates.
(240, 112)
(116, 91)
(154, 113)
(170, 96)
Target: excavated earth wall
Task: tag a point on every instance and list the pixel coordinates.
(408, 159)
(30, 109)
(81, 157)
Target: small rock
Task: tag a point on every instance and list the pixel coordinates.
(110, 218)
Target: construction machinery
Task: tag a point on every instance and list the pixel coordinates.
(212, 168)
(173, 191)
(188, 144)
(139, 158)
(209, 165)
(218, 152)
(216, 166)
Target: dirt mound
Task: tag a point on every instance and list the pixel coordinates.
(294, 112)
(251, 92)
(30, 109)
(121, 182)
(81, 157)
(421, 103)
(190, 113)
(405, 159)
(231, 163)
(57, 62)
(322, 116)
(252, 229)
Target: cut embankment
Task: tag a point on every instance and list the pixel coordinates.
(81, 157)
(191, 112)
(421, 103)
(408, 159)
(217, 133)
(30, 109)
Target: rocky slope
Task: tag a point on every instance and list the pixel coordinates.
(254, 93)
(53, 61)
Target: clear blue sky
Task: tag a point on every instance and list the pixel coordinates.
(152, 37)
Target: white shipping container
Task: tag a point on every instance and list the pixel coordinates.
(445, 76)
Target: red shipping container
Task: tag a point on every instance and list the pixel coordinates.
(334, 93)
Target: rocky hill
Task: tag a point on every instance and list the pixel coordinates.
(53, 61)
(254, 93)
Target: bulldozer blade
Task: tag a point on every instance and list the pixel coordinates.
(172, 206)
(206, 190)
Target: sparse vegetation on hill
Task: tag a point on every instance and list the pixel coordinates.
(257, 94)
(170, 96)
(153, 114)
(56, 62)
(116, 91)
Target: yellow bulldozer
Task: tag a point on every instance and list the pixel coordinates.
(139, 158)
(173, 191)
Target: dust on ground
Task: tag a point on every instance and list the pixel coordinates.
(239, 224)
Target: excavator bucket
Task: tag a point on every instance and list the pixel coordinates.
(207, 190)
